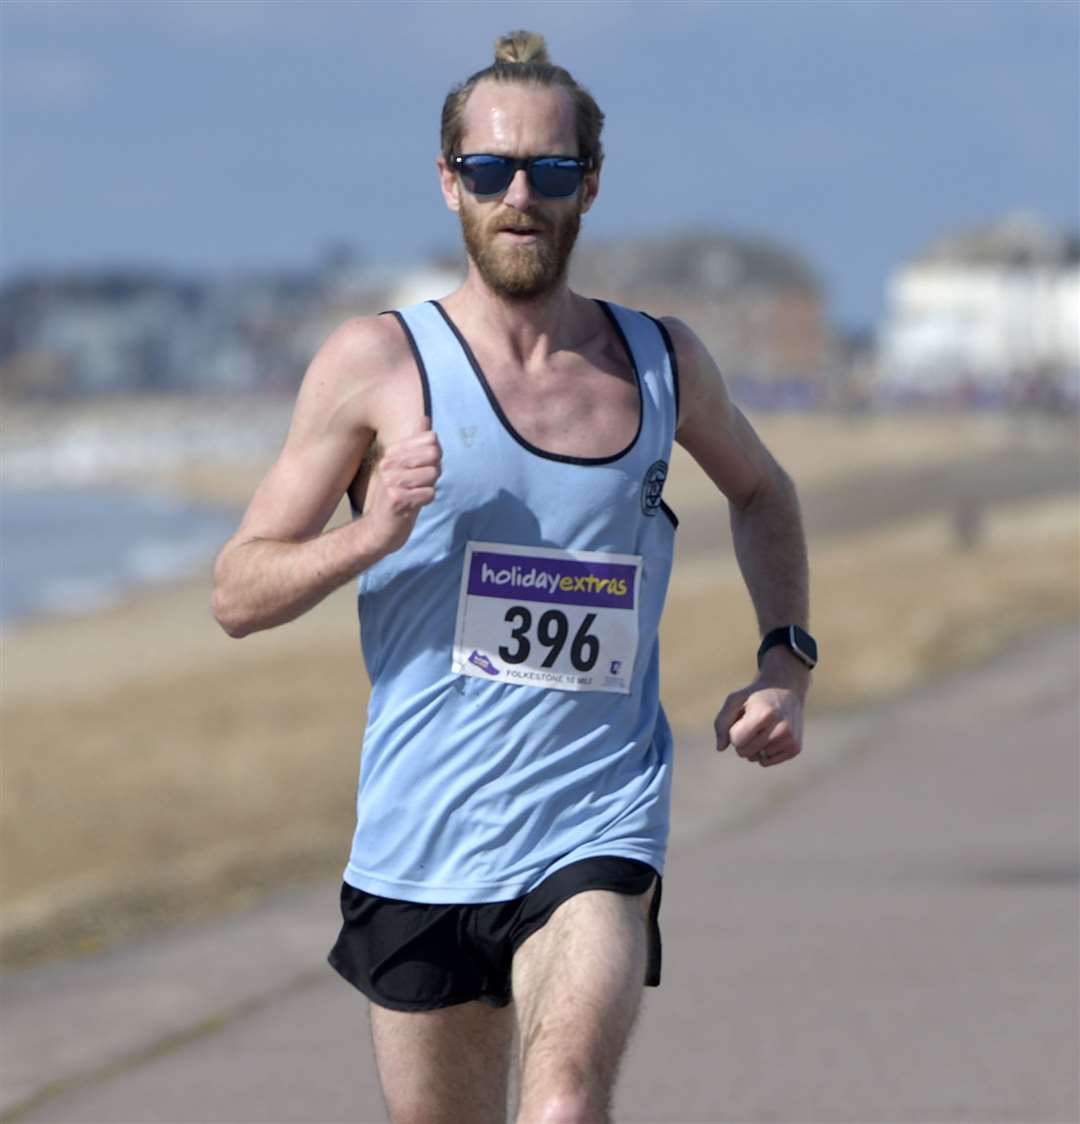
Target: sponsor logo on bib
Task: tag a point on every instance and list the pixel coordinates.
(565, 581)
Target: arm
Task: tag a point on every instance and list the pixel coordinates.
(766, 716)
(280, 563)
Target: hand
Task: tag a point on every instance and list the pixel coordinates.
(403, 483)
(764, 722)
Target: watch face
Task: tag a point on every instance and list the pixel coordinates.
(804, 644)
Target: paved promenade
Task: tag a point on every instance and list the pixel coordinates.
(884, 930)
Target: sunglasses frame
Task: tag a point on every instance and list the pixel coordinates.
(517, 163)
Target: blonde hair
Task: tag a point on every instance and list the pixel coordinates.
(522, 56)
(521, 46)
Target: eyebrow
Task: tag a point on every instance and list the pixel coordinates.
(515, 155)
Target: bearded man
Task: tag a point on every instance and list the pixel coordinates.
(505, 451)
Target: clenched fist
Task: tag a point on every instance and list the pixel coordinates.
(763, 722)
(403, 483)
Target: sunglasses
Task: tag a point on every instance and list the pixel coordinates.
(484, 174)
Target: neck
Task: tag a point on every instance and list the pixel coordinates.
(527, 329)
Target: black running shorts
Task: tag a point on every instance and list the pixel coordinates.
(411, 956)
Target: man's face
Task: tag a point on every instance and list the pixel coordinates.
(520, 241)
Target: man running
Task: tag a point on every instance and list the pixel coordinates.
(505, 451)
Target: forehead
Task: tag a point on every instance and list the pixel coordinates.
(518, 119)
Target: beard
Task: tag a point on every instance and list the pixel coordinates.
(520, 273)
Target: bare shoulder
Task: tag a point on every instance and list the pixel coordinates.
(373, 340)
(682, 335)
(353, 391)
(712, 429)
(357, 362)
(701, 385)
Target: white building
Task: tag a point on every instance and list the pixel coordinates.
(981, 307)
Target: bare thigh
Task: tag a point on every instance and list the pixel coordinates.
(444, 1066)
(577, 988)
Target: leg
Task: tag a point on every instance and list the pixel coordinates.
(444, 1066)
(577, 989)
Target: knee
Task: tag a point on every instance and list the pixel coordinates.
(567, 1106)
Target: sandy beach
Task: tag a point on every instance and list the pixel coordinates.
(155, 769)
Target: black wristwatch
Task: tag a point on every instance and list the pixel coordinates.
(801, 643)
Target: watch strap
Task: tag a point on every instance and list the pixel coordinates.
(801, 644)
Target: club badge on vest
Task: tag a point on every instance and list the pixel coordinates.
(652, 487)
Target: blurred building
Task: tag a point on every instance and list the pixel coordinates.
(92, 333)
(109, 331)
(425, 283)
(992, 311)
(757, 306)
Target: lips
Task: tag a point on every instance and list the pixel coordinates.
(522, 226)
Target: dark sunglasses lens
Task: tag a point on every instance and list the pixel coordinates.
(556, 177)
(486, 175)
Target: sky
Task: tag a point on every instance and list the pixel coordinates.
(212, 135)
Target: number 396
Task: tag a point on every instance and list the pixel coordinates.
(552, 629)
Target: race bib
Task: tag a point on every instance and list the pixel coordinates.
(563, 619)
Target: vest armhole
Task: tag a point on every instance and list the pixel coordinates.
(672, 359)
(425, 385)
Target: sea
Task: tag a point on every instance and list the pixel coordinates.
(81, 549)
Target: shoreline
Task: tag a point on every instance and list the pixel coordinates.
(55, 560)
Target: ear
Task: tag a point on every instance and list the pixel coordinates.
(590, 189)
(449, 183)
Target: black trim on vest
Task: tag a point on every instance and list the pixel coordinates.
(424, 385)
(673, 360)
(506, 421)
(670, 514)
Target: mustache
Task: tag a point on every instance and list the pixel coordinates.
(519, 221)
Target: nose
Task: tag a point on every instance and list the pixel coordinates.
(519, 193)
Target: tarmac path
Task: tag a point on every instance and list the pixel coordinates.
(885, 929)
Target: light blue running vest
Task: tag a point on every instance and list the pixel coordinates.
(515, 723)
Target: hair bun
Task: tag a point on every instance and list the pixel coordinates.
(521, 46)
